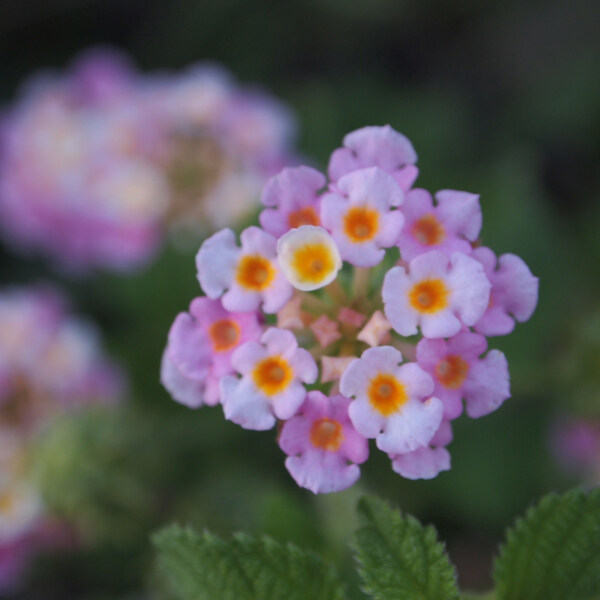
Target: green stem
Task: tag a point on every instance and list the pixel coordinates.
(360, 282)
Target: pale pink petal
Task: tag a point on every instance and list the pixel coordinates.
(396, 286)
(488, 384)
(216, 262)
(188, 347)
(322, 473)
(418, 382)
(244, 406)
(413, 426)
(470, 288)
(304, 365)
(371, 186)
(186, 391)
(247, 355)
(365, 420)
(422, 463)
(286, 404)
(460, 212)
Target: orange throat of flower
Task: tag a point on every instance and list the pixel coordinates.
(429, 296)
(303, 216)
(386, 394)
(272, 375)
(452, 371)
(428, 231)
(224, 335)
(326, 434)
(255, 273)
(361, 224)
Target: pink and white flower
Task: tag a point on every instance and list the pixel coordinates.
(292, 200)
(513, 296)
(273, 373)
(393, 403)
(376, 147)
(323, 447)
(438, 293)
(450, 226)
(460, 374)
(247, 278)
(360, 215)
(199, 350)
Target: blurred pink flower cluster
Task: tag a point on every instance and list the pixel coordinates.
(50, 362)
(384, 285)
(96, 164)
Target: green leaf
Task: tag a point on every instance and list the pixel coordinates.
(553, 553)
(399, 558)
(205, 567)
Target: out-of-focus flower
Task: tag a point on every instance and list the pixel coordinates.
(95, 165)
(50, 362)
(358, 319)
(575, 443)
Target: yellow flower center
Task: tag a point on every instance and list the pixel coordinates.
(429, 296)
(452, 371)
(224, 334)
(272, 375)
(361, 223)
(386, 394)
(428, 230)
(255, 272)
(326, 434)
(313, 262)
(303, 216)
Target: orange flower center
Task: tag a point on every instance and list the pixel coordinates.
(326, 434)
(303, 216)
(313, 263)
(429, 296)
(452, 371)
(224, 334)
(255, 272)
(386, 394)
(361, 223)
(428, 230)
(272, 375)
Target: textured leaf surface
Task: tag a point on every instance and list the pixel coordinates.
(399, 558)
(553, 553)
(204, 567)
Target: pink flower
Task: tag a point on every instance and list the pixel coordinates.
(392, 403)
(273, 372)
(376, 147)
(438, 293)
(50, 360)
(200, 347)
(459, 373)
(449, 226)
(292, 200)
(323, 448)
(360, 215)
(428, 461)
(513, 296)
(246, 278)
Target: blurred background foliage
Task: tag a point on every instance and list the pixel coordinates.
(499, 98)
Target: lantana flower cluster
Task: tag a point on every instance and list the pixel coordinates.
(96, 164)
(50, 362)
(359, 309)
